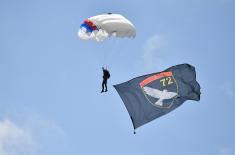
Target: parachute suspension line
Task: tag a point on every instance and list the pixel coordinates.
(104, 62)
(110, 53)
(105, 26)
(103, 55)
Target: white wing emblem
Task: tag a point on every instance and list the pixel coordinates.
(161, 95)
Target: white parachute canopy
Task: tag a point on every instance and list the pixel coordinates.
(103, 26)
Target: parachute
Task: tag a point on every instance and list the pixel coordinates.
(103, 26)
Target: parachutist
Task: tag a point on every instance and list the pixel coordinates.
(106, 76)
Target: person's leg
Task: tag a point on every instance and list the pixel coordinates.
(105, 84)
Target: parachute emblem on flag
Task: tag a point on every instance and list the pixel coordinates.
(160, 89)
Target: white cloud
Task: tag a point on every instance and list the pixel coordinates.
(227, 89)
(38, 122)
(25, 132)
(226, 151)
(48, 135)
(152, 55)
(14, 140)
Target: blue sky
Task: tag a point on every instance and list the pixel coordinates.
(50, 81)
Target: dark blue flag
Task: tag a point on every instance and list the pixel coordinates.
(151, 96)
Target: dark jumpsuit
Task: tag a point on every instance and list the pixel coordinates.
(105, 78)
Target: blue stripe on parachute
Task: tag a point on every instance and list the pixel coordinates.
(87, 27)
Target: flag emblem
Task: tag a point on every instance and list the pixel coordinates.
(160, 89)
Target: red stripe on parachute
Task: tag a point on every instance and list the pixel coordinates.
(91, 24)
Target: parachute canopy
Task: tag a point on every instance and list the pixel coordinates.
(102, 26)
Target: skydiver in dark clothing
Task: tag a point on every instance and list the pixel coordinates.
(106, 76)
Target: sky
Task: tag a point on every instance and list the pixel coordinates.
(50, 80)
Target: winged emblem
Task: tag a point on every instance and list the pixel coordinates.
(161, 95)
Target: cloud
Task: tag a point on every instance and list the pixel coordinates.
(48, 135)
(25, 132)
(14, 140)
(226, 151)
(152, 55)
(227, 89)
(37, 123)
